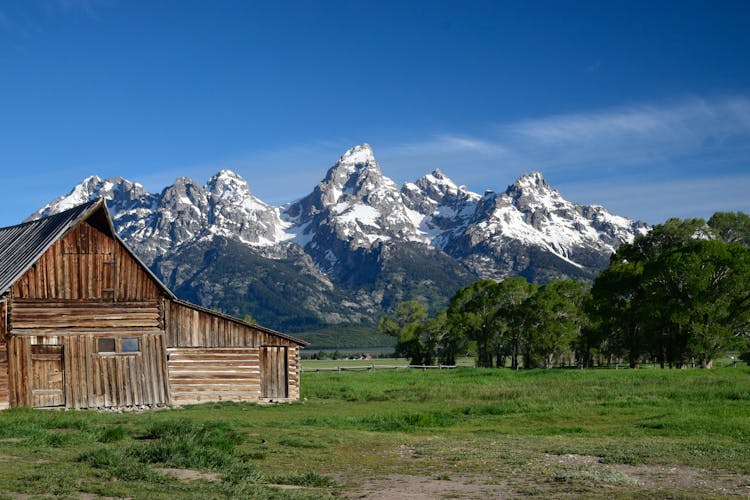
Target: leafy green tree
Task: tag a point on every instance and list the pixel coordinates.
(614, 311)
(407, 324)
(619, 306)
(511, 294)
(473, 313)
(674, 233)
(679, 292)
(448, 342)
(554, 315)
(592, 342)
(698, 299)
(731, 227)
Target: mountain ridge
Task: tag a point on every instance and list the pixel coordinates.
(358, 242)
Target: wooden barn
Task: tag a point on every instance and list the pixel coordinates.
(85, 324)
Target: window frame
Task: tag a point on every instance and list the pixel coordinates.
(118, 346)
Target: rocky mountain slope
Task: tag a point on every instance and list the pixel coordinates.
(356, 245)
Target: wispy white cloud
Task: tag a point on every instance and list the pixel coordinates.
(687, 119)
(634, 134)
(449, 143)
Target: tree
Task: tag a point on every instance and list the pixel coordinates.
(473, 313)
(591, 342)
(614, 311)
(674, 233)
(679, 292)
(511, 294)
(554, 318)
(731, 227)
(619, 306)
(699, 299)
(407, 325)
(436, 341)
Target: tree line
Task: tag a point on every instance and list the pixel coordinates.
(677, 295)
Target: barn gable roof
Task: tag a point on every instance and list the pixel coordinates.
(24, 244)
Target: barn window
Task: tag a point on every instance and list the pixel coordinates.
(105, 345)
(130, 345)
(121, 346)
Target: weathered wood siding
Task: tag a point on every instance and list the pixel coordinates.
(3, 320)
(192, 328)
(81, 266)
(54, 315)
(4, 385)
(217, 374)
(91, 379)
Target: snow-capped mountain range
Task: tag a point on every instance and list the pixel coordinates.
(346, 232)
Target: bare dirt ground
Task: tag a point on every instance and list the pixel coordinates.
(662, 477)
(403, 487)
(188, 474)
(559, 476)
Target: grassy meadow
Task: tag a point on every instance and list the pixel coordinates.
(464, 433)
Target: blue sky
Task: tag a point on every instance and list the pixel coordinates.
(643, 107)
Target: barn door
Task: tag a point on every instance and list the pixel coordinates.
(47, 384)
(273, 372)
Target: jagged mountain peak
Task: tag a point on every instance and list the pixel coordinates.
(354, 169)
(531, 180)
(226, 176)
(118, 190)
(184, 190)
(360, 154)
(438, 186)
(532, 192)
(355, 178)
(226, 184)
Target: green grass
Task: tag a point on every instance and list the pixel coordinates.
(557, 432)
